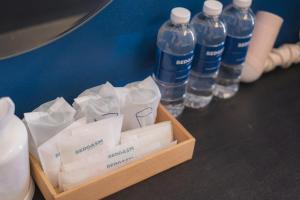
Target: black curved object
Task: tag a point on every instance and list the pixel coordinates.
(29, 24)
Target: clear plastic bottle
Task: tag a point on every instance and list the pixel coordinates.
(239, 20)
(211, 34)
(175, 42)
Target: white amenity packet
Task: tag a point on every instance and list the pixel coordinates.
(150, 138)
(146, 148)
(47, 120)
(49, 154)
(120, 155)
(136, 144)
(139, 102)
(161, 132)
(97, 103)
(104, 90)
(95, 108)
(89, 139)
(75, 173)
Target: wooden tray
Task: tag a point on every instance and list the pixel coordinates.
(125, 176)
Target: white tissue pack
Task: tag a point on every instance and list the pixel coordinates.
(97, 103)
(137, 101)
(140, 104)
(46, 121)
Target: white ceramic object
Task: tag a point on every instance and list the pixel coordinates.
(15, 180)
(266, 29)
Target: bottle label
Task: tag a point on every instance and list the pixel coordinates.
(235, 50)
(173, 68)
(207, 58)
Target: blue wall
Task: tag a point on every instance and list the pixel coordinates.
(118, 45)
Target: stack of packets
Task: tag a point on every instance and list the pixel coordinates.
(106, 128)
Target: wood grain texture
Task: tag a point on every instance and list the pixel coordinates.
(128, 175)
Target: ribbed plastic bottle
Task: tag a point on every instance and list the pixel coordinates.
(210, 33)
(15, 180)
(175, 52)
(239, 20)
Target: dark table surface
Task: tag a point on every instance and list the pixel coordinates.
(248, 147)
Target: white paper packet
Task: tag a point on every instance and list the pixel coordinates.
(84, 152)
(47, 120)
(162, 132)
(147, 83)
(49, 154)
(104, 90)
(139, 143)
(120, 155)
(122, 93)
(75, 173)
(139, 102)
(150, 138)
(89, 139)
(146, 148)
(110, 158)
(97, 103)
(95, 108)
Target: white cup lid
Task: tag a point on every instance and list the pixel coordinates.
(242, 3)
(212, 8)
(180, 15)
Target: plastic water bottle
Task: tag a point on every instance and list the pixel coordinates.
(211, 35)
(239, 20)
(175, 42)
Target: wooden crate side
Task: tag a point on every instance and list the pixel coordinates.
(128, 175)
(131, 174)
(180, 133)
(41, 179)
